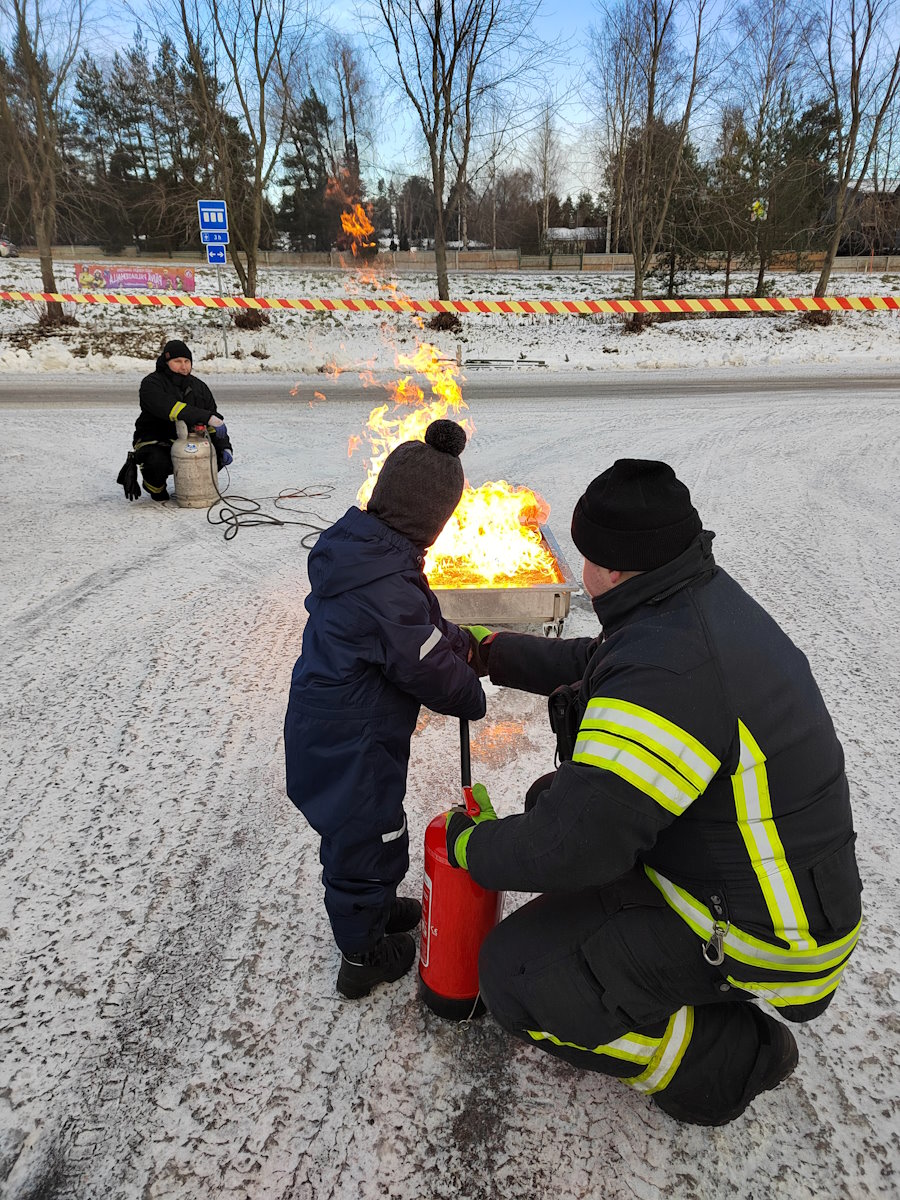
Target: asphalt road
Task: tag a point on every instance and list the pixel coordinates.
(483, 384)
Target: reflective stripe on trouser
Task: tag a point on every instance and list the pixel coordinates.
(155, 462)
(658, 1057)
(612, 980)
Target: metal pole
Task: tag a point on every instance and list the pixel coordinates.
(221, 310)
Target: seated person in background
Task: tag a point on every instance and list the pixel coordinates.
(171, 393)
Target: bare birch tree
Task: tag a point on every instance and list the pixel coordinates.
(242, 53)
(547, 160)
(44, 40)
(858, 52)
(771, 68)
(447, 57)
(613, 80)
(667, 48)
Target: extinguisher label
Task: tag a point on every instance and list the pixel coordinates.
(425, 948)
(190, 448)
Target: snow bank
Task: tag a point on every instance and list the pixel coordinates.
(125, 339)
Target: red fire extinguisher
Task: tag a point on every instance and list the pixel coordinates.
(457, 915)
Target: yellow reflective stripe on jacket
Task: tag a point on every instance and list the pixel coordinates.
(176, 409)
(783, 994)
(750, 784)
(661, 737)
(632, 1047)
(636, 766)
(669, 1053)
(744, 947)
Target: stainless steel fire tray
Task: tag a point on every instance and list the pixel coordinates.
(540, 604)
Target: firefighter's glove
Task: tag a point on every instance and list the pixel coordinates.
(221, 430)
(480, 639)
(128, 477)
(460, 825)
(227, 458)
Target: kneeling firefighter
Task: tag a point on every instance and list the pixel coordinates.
(169, 394)
(695, 848)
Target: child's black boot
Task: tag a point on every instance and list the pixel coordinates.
(386, 962)
(405, 914)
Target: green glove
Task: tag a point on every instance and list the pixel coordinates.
(459, 826)
(480, 638)
(478, 632)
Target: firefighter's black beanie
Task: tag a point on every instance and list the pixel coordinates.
(636, 516)
(177, 349)
(420, 483)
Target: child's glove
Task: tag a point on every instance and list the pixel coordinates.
(459, 826)
(480, 638)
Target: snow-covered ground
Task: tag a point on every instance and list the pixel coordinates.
(168, 1018)
(124, 339)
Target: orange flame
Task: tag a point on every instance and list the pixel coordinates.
(358, 228)
(493, 538)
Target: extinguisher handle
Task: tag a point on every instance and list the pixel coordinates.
(465, 758)
(465, 762)
(471, 803)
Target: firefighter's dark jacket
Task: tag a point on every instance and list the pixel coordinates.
(703, 751)
(375, 648)
(167, 397)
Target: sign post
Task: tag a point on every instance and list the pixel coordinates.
(214, 236)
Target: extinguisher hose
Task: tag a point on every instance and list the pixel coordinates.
(237, 512)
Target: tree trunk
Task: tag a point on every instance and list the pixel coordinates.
(440, 259)
(670, 291)
(832, 249)
(760, 288)
(727, 272)
(43, 216)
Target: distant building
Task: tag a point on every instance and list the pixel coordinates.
(575, 241)
(872, 220)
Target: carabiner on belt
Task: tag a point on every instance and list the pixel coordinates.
(714, 951)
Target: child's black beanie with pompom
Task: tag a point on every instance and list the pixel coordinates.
(420, 483)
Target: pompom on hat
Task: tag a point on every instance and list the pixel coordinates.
(420, 484)
(636, 516)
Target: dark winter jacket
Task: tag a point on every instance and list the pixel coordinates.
(375, 648)
(703, 751)
(167, 397)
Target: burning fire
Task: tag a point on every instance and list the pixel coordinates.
(493, 538)
(385, 430)
(358, 228)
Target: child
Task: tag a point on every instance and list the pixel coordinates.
(375, 648)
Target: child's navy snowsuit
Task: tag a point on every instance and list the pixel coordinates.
(375, 648)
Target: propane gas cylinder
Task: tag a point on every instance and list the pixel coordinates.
(193, 464)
